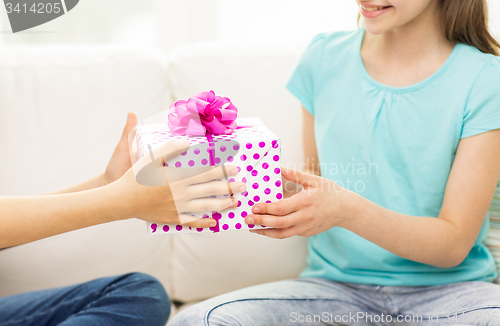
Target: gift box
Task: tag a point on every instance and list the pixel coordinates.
(252, 147)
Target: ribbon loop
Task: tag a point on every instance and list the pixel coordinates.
(203, 113)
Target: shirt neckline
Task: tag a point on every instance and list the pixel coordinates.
(408, 88)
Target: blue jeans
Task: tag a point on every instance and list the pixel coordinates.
(131, 299)
(315, 301)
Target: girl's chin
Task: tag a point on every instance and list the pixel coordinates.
(375, 28)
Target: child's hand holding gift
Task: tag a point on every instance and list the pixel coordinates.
(317, 208)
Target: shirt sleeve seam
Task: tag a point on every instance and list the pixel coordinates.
(480, 127)
(474, 84)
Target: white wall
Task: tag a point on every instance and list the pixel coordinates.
(283, 21)
(494, 21)
(256, 21)
(92, 21)
(185, 21)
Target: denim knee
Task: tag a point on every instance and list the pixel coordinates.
(192, 316)
(142, 285)
(211, 313)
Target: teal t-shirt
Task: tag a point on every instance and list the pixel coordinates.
(395, 146)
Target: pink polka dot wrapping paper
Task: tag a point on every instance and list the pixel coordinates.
(253, 148)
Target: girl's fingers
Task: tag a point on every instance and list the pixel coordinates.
(213, 174)
(281, 208)
(277, 233)
(210, 204)
(278, 222)
(215, 188)
(300, 178)
(196, 222)
(171, 149)
(129, 126)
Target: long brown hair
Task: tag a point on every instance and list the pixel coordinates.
(466, 21)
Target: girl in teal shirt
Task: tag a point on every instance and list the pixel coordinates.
(402, 143)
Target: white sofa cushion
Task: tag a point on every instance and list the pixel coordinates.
(202, 266)
(62, 110)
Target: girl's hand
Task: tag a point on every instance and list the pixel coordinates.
(120, 160)
(169, 204)
(320, 206)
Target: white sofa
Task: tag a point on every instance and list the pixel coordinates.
(61, 114)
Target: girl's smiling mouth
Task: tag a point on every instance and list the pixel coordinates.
(372, 11)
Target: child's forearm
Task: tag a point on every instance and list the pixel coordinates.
(428, 240)
(26, 219)
(95, 182)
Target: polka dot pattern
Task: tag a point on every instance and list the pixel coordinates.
(255, 151)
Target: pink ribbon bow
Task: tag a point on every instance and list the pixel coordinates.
(203, 114)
